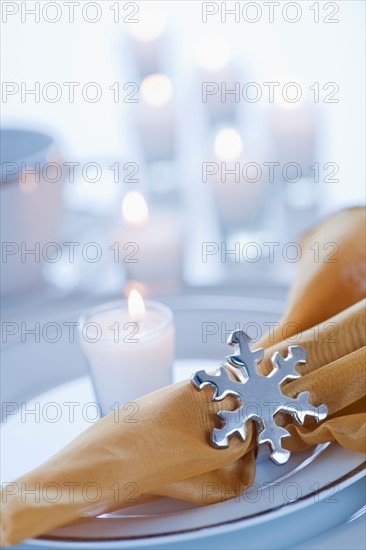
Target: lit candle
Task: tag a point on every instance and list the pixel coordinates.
(294, 129)
(129, 346)
(147, 36)
(237, 181)
(217, 76)
(154, 256)
(156, 119)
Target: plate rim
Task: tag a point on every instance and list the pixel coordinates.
(341, 483)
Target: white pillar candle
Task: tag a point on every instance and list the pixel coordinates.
(147, 36)
(155, 253)
(237, 181)
(129, 347)
(217, 77)
(295, 133)
(294, 128)
(156, 117)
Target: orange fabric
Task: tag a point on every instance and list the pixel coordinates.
(332, 273)
(168, 451)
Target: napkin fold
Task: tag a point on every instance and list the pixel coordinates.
(332, 274)
(167, 452)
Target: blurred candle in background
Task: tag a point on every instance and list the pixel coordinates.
(151, 244)
(147, 35)
(129, 346)
(156, 118)
(237, 180)
(165, 182)
(294, 128)
(217, 76)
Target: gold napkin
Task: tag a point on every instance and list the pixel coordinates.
(332, 274)
(167, 452)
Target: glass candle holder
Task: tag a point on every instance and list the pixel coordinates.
(127, 358)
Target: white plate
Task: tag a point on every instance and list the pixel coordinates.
(307, 478)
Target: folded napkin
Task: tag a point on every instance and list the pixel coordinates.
(332, 273)
(167, 452)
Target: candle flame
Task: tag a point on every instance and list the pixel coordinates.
(228, 144)
(156, 89)
(213, 53)
(136, 306)
(134, 208)
(151, 26)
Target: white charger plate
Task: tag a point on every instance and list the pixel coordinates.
(317, 475)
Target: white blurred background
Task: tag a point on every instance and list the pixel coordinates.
(160, 54)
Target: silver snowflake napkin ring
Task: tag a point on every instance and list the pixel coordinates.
(260, 396)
